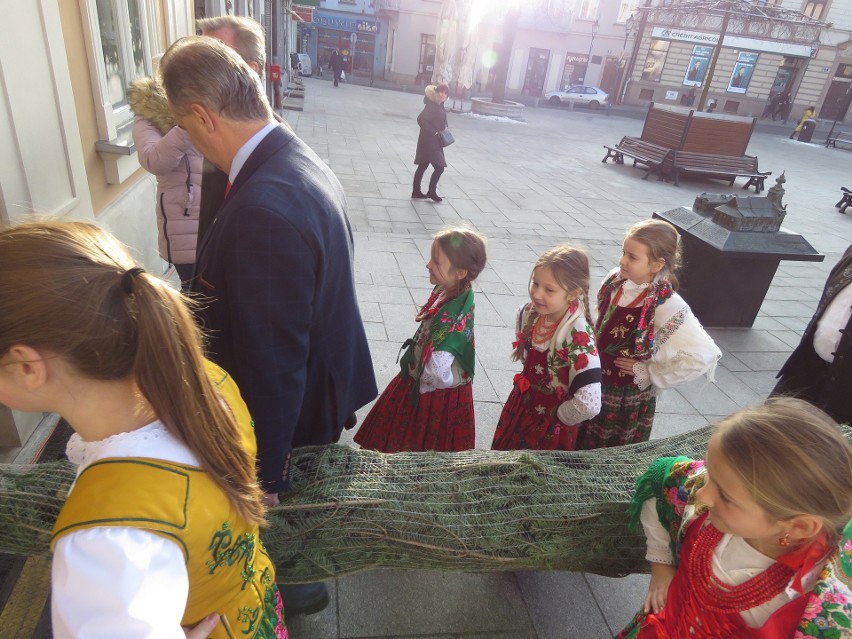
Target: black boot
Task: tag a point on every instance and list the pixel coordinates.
(417, 194)
(304, 599)
(432, 193)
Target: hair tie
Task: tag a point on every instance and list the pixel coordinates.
(127, 278)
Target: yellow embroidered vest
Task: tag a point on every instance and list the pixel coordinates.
(229, 570)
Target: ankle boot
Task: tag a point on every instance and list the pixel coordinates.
(417, 194)
(432, 195)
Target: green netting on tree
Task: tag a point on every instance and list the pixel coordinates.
(352, 509)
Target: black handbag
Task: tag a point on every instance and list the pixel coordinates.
(446, 137)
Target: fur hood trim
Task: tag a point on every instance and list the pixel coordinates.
(431, 92)
(147, 99)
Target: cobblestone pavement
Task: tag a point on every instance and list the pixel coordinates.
(529, 186)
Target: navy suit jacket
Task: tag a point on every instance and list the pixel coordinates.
(276, 267)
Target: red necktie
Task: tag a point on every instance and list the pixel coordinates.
(227, 189)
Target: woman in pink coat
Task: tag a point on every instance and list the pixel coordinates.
(166, 151)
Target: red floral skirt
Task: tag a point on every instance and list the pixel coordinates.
(443, 420)
(521, 427)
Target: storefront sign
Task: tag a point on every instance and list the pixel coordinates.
(736, 42)
(342, 23)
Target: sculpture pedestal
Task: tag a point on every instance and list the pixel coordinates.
(727, 273)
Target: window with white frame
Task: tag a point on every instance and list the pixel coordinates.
(626, 9)
(588, 10)
(121, 37)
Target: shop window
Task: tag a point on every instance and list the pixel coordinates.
(815, 9)
(655, 60)
(731, 106)
(646, 94)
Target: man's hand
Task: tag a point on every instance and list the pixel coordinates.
(658, 589)
(203, 628)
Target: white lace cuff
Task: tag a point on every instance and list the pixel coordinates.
(640, 375)
(585, 404)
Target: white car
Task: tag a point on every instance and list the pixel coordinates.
(592, 97)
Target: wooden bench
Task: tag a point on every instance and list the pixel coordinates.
(845, 201)
(723, 166)
(642, 152)
(842, 136)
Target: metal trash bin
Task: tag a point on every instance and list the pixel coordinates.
(807, 132)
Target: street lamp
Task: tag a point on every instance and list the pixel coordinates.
(589, 57)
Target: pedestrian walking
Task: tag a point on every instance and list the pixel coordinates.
(772, 106)
(747, 543)
(430, 150)
(647, 336)
(429, 404)
(560, 386)
(336, 64)
(164, 482)
(807, 114)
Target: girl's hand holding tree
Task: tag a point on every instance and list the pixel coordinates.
(203, 628)
(625, 364)
(658, 589)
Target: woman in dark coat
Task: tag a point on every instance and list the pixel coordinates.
(336, 64)
(432, 120)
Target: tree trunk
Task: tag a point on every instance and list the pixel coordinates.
(510, 25)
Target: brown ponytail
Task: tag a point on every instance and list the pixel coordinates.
(73, 289)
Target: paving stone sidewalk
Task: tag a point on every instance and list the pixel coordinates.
(529, 186)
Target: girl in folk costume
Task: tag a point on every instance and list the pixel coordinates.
(560, 384)
(647, 336)
(161, 526)
(429, 404)
(750, 543)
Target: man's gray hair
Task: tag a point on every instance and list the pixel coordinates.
(249, 40)
(202, 70)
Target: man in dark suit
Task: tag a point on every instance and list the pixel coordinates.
(820, 369)
(276, 265)
(245, 36)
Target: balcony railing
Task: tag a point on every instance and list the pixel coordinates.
(387, 5)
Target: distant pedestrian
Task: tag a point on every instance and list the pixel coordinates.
(711, 105)
(689, 98)
(560, 386)
(784, 108)
(429, 404)
(647, 336)
(432, 120)
(807, 114)
(772, 107)
(336, 64)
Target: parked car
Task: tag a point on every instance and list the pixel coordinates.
(592, 97)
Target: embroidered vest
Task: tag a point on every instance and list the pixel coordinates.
(229, 570)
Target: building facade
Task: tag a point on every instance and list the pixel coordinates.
(804, 57)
